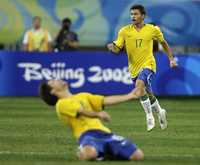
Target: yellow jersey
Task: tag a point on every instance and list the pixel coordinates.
(139, 46)
(38, 41)
(67, 111)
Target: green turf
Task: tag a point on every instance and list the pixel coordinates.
(30, 133)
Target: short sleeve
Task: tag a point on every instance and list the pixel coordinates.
(96, 101)
(49, 37)
(119, 42)
(25, 40)
(68, 107)
(157, 34)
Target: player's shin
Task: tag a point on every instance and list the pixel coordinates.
(156, 106)
(146, 104)
(161, 113)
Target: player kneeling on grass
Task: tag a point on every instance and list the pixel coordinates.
(82, 112)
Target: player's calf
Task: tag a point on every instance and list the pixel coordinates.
(146, 104)
(162, 119)
(87, 153)
(161, 113)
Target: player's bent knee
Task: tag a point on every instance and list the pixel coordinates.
(139, 92)
(88, 153)
(137, 155)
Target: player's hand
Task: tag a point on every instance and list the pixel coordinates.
(173, 63)
(104, 116)
(110, 46)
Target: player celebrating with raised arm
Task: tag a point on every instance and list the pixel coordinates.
(82, 112)
(137, 39)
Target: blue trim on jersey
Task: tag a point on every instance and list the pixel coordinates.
(108, 144)
(146, 75)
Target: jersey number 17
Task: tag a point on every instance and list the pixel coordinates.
(138, 43)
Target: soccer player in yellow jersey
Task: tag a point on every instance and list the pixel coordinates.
(82, 113)
(137, 39)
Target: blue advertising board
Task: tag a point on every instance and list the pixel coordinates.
(96, 72)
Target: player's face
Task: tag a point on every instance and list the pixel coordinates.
(58, 85)
(136, 16)
(36, 23)
(66, 25)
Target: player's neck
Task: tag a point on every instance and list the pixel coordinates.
(64, 94)
(139, 25)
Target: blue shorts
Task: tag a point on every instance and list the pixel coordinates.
(108, 145)
(146, 75)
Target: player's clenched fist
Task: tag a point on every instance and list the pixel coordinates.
(113, 48)
(173, 63)
(110, 46)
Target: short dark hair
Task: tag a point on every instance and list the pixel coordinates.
(36, 17)
(45, 94)
(66, 20)
(139, 7)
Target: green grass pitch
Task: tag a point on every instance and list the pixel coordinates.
(31, 134)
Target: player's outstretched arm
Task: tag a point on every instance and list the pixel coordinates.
(115, 99)
(113, 48)
(102, 115)
(169, 54)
